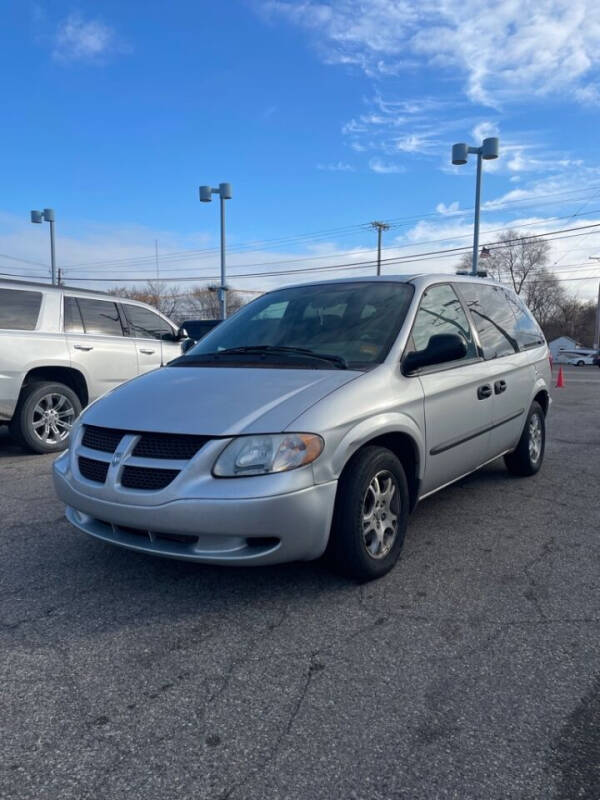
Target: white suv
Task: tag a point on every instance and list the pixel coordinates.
(61, 348)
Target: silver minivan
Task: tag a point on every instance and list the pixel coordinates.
(312, 422)
(61, 348)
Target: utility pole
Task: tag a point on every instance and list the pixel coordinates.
(379, 227)
(597, 325)
(59, 276)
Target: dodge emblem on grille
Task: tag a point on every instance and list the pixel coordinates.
(117, 457)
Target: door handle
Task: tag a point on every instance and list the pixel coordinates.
(82, 347)
(484, 391)
(146, 352)
(499, 387)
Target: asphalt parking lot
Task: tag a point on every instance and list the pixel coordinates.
(471, 671)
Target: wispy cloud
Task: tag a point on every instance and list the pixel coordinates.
(385, 167)
(512, 51)
(336, 166)
(448, 210)
(89, 40)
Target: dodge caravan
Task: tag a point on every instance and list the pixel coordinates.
(312, 422)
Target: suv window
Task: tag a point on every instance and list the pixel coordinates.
(19, 310)
(145, 324)
(493, 317)
(527, 331)
(100, 317)
(73, 321)
(441, 312)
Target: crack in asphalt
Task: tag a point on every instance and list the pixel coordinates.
(257, 770)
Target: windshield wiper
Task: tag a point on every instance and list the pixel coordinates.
(340, 362)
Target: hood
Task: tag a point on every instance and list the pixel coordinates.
(215, 401)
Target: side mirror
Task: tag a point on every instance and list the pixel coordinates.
(187, 344)
(441, 348)
(181, 334)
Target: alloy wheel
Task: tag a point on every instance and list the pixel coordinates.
(53, 417)
(380, 510)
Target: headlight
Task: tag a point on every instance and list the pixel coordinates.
(260, 455)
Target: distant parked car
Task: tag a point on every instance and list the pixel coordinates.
(61, 348)
(578, 358)
(196, 329)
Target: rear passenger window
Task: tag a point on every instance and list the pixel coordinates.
(441, 312)
(493, 317)
(100, 317)
(527, 332)
(73, 321)
(19, 310)
(145, 324)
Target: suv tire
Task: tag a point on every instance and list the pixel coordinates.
(529, 454)
(370, 515)
(43, 411)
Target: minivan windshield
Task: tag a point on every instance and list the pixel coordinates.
(327, 326)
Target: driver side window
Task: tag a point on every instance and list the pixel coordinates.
(441, 312)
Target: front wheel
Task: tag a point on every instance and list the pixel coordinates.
(44, 417)
(370, 516)
(581, 363)
(528, 457)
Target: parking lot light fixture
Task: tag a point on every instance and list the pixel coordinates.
(460, 155)
(225, 193)
(47, 215)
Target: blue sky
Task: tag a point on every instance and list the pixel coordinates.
(323, 116)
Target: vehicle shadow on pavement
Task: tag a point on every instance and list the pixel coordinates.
(82, 585)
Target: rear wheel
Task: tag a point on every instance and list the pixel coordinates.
(581, 363)
(371, 515)
(528, 457)
(44, 417)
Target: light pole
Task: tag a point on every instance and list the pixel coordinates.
(460, 154)
(379, 227)
(47, 215)
(224, 192)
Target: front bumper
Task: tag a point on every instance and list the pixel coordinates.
(262, 530)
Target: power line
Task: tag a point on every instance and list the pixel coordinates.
(409, 259)
(305, 259)
(302, 238)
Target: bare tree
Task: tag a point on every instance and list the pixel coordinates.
(203, 302)
(167, 299)
(521, 262)
(199, 302)
(574, 318)
(544, 295)
(515, 259)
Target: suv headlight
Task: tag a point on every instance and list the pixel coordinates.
(264, 454)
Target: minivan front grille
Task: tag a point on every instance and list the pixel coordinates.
(103, 439)
(147, 478)
(174, 446)
(93, 470)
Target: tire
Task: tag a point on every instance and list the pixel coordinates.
(527, 458)
(581, 363)
(367, 554)
(37, 401)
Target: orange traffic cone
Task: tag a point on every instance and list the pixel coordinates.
(560, 381)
